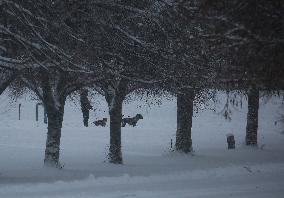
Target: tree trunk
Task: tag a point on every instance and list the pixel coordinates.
(115, 97)
(252, 117)
(184, 121)
(115, 113)
(55, 119)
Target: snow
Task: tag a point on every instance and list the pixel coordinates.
(150, 168)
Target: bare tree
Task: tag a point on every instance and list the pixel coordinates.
(49, 57)
(251, 35)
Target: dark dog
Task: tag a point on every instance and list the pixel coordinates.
(131, 121)
(101, 122)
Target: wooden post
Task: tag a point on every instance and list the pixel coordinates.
(37, 111)
(44, 115)
(20, 111)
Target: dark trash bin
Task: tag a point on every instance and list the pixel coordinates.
(231, 141)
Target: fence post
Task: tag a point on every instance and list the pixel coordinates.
(20, 111)
(44, 115)
(37, 111)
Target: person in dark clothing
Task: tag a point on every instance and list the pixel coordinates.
(85, 106)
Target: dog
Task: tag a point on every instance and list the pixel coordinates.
(101, 122)
(131, 121)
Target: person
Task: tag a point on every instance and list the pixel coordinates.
(85, 106)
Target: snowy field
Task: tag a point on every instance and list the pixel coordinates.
(150, 168)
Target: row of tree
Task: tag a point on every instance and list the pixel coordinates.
(185, 47)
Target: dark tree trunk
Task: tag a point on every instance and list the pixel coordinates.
(252, 117)
(115, 113)
(184, 121)
(115, 100)
(54, 101)
(55, 119)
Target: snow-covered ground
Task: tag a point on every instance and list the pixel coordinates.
(150, 168)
